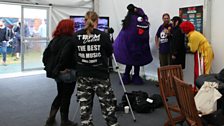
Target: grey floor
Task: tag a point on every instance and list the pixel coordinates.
(25, 101)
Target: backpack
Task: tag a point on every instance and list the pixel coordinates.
(157, 100)
(139, 102)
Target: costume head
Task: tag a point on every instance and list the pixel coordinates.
(131, 47)
(135, 20)
(187, 27)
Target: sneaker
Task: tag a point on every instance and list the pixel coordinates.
(50, 122)
(16, 59)
(4, 63)
(68, 123)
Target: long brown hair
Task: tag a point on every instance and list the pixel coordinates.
(90, 18)
(64, 27)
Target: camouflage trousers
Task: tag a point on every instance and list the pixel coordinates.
(87, 87)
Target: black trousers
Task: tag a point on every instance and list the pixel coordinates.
(62, 100)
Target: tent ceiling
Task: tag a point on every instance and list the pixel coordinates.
(75, 3)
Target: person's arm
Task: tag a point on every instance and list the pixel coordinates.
(193, 41)
(157, 41)
(107, 43)
(46, 54)
(157, 38)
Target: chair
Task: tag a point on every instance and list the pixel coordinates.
(185, 98)
(165, 77)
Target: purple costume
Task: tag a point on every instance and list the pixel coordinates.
(131, 47)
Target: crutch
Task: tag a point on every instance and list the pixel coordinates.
(125, 92)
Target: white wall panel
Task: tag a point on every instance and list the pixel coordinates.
(217, 34)
(116, 10)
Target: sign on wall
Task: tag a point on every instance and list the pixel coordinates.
(193, 14)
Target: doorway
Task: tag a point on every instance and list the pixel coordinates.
(29, 29)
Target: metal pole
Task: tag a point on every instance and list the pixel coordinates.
(122, 84)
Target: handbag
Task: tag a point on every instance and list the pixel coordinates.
(206, 98)
(68, 76)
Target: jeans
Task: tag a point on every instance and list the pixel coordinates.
(4, 51)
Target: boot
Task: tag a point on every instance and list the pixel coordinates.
(68, 123)
(136, 79)
(126, 79)
(51, 119)
(126, 76)
(65, 121)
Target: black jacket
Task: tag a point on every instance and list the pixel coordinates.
(92, 53)
(53, 56)
(177, 46)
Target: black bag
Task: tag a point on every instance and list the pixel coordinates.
(68, 77)
(138, 101)
(216, 118)
(157, 100)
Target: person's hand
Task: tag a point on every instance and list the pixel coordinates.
(157, 46)
(169, 29)
(166, 31)
(65, 71)
(188, 49)
(173, 57)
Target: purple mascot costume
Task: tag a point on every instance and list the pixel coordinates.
(131, 47)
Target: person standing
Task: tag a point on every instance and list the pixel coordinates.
(93, 48)
(197, 42)
(177, 43)
(4, 37)
(56, 64)
(132, 45)
(201, 48)
(162, 40)
(17, 39)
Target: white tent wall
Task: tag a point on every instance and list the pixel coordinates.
(217, 34)
(116, 10)
(59, 13)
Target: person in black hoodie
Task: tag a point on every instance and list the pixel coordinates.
(177, 43)
(4, 38)
(92, 48)
(56, 64)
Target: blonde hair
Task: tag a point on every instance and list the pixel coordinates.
(90, 18)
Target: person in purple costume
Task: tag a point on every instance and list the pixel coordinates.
(131, 47)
